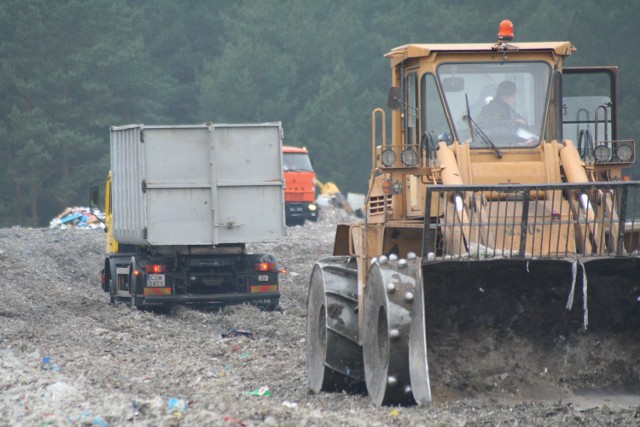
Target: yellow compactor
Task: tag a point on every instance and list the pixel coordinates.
(499, 204)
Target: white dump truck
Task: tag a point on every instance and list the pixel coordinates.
(182, 203)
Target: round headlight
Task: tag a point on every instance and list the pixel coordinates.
(396, 188)
(388, 157)
(409, 157)
(312, 207)
(602, 153)
(624, 152)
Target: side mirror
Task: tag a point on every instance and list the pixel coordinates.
(394, 101)
(94, 197)
(453, 84)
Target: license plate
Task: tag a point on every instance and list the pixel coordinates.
(155, 281)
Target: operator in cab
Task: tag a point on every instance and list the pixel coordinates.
(500, 121)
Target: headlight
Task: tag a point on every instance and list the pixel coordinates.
(312, 207)
(624, 152)
(388, 157)
(396, 187)
(602, 153)
(409, 157)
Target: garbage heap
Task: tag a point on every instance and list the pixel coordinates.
(78, 217)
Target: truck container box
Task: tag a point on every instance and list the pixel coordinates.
(207, 184)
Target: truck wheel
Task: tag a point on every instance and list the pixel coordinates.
(334, 357)
(394, 342)
(134, 301)
(112, 284)
(112, 291)
(273, 304)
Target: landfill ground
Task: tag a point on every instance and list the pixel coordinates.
(69, 357)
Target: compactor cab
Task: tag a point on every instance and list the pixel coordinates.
(498, 213)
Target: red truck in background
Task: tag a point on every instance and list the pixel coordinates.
(300, 190)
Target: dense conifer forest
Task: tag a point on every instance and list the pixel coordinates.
(70, 69)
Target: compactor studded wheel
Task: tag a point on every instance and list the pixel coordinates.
(394, 342)
(334, 357)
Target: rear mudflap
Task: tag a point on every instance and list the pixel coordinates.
(512, 324)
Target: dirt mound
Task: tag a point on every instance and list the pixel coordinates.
(68, 357)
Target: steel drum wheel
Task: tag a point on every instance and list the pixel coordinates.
(394, 343)
(334, 357)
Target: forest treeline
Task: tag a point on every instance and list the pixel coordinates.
(70, 69)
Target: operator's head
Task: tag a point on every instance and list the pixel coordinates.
(507, 92)
(506, 88)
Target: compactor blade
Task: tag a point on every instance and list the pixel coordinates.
(524, 326)
(545, 295)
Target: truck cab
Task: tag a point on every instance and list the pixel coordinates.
(300, 194)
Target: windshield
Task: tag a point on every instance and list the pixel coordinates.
(496, 103)
(297, 162)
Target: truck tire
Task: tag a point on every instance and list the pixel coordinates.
(134, 300)
(112, 291)
(112, 284)
(273, 304)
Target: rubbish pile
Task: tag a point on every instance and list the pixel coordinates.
(331, 196)
(78, 217)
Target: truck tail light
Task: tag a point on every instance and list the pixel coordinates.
(265, 266)
(156, 268)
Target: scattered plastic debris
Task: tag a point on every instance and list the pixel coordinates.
(234, 420)
(78, 217)
(394, 413)
(178, 406)
(289, 404)
(82, 418)
(237, 333)
(227, 370)
(47, 364)
(262, 392)
(136, 408)
(99, 422)
(60, 390)
(245, 354)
